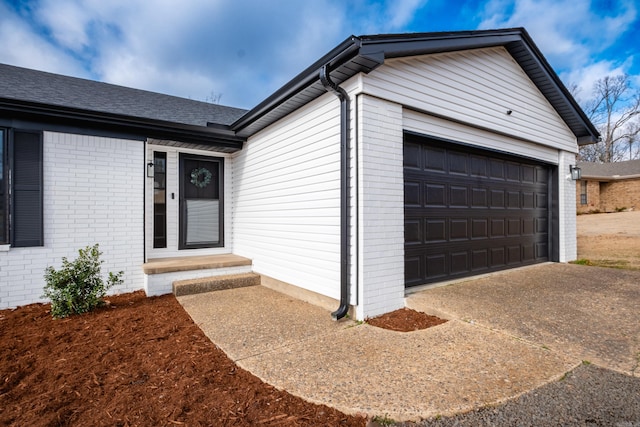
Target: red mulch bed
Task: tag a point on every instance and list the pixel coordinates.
(138, 362)
(405, 320)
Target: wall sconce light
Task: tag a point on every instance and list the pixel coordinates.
(576, 172)
(150, 169)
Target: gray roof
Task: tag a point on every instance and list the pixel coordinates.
(53, 89)
(616, 170)
(366, 53)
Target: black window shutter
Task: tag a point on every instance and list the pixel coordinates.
(26, 219)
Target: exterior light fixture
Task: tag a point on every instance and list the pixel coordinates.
(150, 169)
(576, 172)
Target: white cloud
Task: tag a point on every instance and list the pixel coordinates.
(568, 32)
(23, 47)
(67, 22)
(586, 77)
(401, 12)
(247, 49)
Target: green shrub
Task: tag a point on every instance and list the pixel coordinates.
(77, 287)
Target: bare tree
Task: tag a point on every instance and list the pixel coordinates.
(615, 111)
(213, 98)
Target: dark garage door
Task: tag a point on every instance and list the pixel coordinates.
(469, 211)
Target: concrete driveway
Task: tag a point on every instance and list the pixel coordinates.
(508, 333)
(588, 313)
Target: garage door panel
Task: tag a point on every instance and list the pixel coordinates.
(528, 226)
(479, 198)
(457, 163)
(412, 194)
(413, 231)
(479, 259)
(513, 227)
(436, 230)
(513, 171)
(434, 195)
(458, 196)
(458, 229)
(542, 201)
(412, 269)
(480, 228)
(542, 250)
(435, 159)
(479, 166)
(528, 174)
(542, 225)
(528, 253)
(498, 227)
(459, 262)
(412, 156)
(436, 266)
(469, 211)
(497, 199)
(513, 255)
(496, 169)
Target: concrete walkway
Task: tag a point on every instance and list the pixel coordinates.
(508, 333)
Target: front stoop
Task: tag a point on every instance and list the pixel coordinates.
(161, 273)
(214, 283)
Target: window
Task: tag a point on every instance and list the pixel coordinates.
(159, 199)
(583, 192)
(21, 188)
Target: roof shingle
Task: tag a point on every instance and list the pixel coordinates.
(610, 170)
(53, 89)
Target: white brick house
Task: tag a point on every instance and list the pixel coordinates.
(392, 162)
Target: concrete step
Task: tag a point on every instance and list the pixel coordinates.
(214, 283)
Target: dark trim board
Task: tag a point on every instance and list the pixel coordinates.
(470, 211)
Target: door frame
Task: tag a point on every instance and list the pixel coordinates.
(182, 225)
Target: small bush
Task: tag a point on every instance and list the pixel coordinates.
(77, 287)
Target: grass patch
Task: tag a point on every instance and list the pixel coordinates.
(608, 263)
(582, 261)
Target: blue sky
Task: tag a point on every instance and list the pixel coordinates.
(243, 50)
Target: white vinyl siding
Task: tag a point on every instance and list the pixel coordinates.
(286, 198)
(474, 87)
(453, 131)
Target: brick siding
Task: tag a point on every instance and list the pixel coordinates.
(93, 193)
(609, 196)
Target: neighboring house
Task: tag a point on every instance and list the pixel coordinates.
(392, 162)
(608, 187)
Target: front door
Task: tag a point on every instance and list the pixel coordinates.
(201, 207)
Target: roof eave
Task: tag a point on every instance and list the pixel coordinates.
(365, 53)
(306, 78)
(217, 136)
(605, 178)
